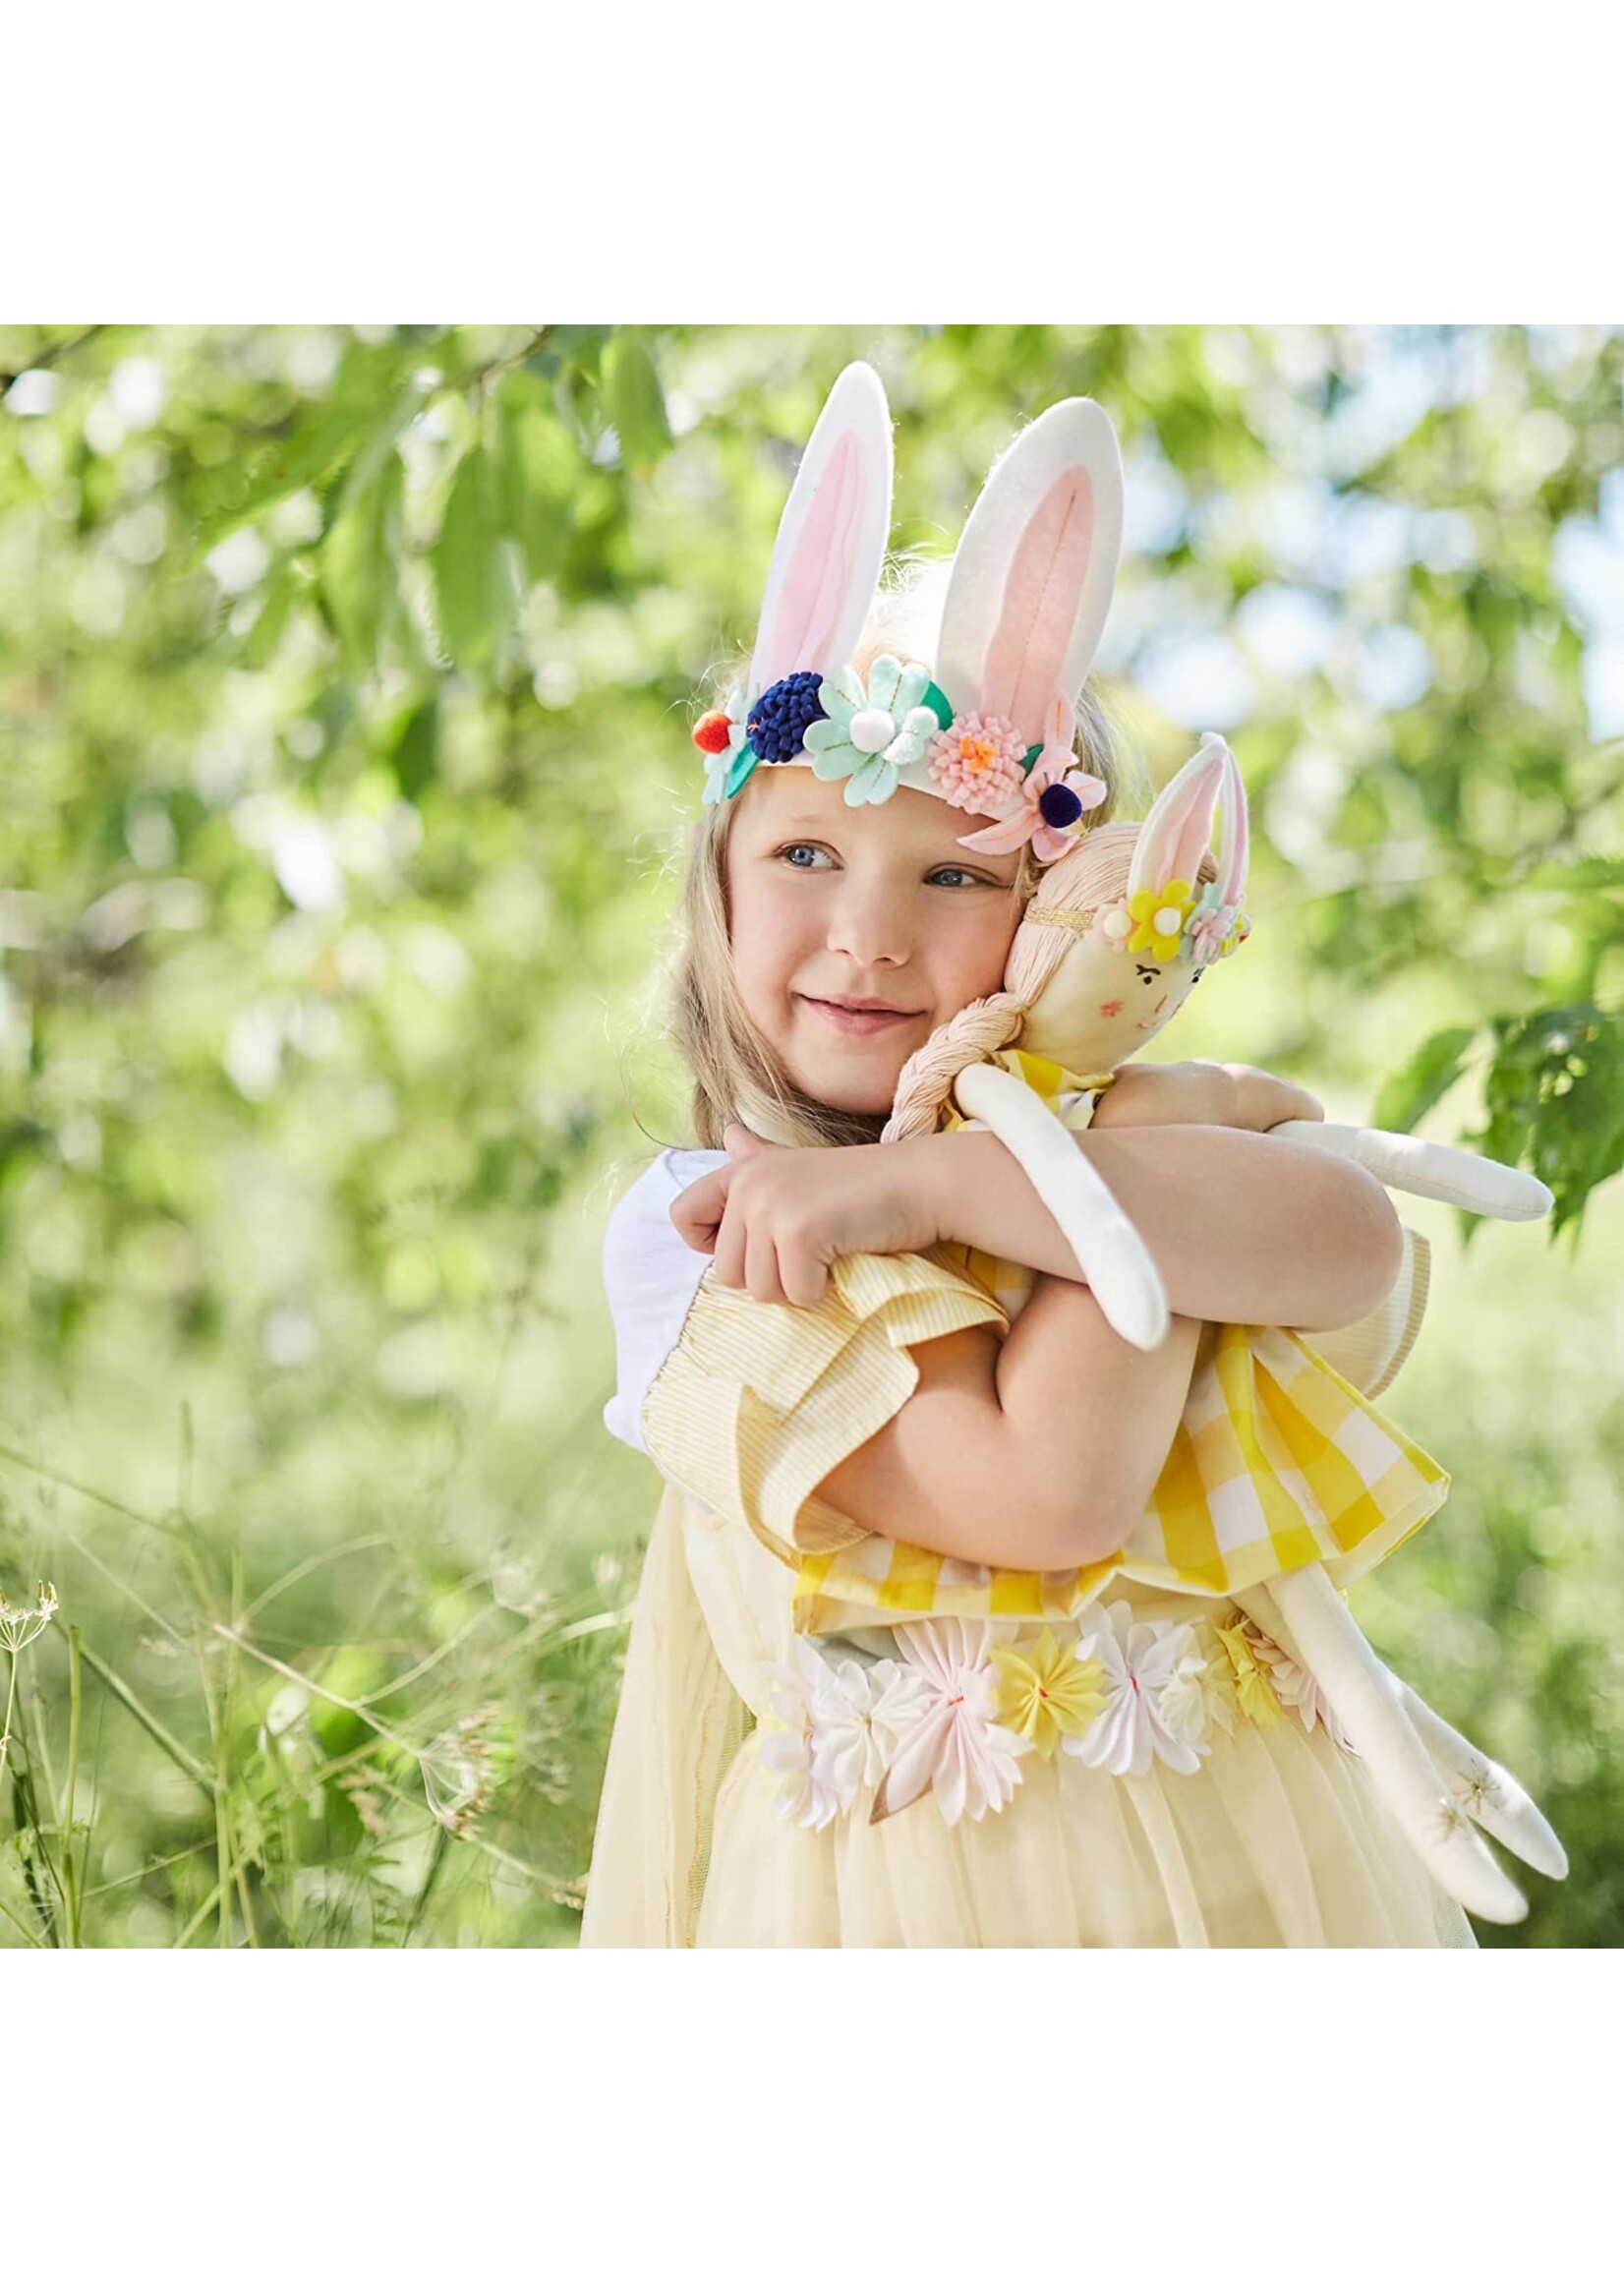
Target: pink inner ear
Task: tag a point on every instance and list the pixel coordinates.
(1047, 574)
(1191, 830)
(815, 582)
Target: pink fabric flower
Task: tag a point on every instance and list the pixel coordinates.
(976, 762)
(957, 1745)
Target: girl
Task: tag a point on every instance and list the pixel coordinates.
(811, 1369)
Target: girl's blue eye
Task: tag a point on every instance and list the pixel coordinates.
(786, 851)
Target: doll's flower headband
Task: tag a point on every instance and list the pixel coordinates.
(990, 726)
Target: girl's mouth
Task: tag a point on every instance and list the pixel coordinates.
(860, 1021)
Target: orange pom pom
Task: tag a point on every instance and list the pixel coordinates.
(714, 732)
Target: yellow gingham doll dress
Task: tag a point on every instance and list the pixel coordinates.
(765, 1618)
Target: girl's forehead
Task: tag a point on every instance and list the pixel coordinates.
(793, 797)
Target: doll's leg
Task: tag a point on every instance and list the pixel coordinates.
(1486, 1790)
(1306, 1616)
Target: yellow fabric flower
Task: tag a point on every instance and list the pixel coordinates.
(1145, 906)
(1255, 1689)
(1047, 1692)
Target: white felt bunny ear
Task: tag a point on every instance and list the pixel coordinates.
(1177, 829)
(1034, 571)
(1233, 829)
(831, 538)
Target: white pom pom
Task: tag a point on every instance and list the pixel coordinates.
(871, 731)
(1118, 924)
(1166, 921)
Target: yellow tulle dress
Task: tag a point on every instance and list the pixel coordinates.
(830, 1740)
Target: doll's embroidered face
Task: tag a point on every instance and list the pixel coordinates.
(1101, 1004)
(875, 901)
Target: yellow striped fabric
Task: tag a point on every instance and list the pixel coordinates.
(759, 1401)
(1278, 1459)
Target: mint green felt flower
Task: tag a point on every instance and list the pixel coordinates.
(875, 734)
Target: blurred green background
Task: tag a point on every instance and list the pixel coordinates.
(345, 680)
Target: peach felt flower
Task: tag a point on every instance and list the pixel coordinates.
(976, 762)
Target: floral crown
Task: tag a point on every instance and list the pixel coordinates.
(990, 723)
(899, 731)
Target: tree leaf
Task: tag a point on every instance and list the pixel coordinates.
(472, 586)
(415, 753)
(1416, 1088)
(635, 403)
(360, 560)
(539, 470)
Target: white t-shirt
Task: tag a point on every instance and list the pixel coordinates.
(651, 1276)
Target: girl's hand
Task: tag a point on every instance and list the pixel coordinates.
(775, 1217)
(1202, 1089)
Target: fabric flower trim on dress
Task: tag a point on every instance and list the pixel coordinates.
(954, 1710)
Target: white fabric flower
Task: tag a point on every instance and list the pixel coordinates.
(842, 1719)
(954, 1742)
(1156, 1697)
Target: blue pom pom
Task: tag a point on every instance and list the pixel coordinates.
(1059, 806)
(782, 713)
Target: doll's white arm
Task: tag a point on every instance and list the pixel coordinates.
(1116, 1261)
(1433, 1172)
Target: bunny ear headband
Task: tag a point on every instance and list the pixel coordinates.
(990, 727)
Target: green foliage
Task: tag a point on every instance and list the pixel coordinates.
(344, 683)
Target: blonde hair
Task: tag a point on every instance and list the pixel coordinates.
(737, 1075)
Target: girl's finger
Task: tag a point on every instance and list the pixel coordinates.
(742, 1143)
(803, 1278)
(731, 1242)
(761, 1269)
(697, 1212)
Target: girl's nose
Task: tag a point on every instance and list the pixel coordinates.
(866, 924)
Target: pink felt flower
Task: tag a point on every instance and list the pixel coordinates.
(1054, 797)
(1210, 926)
(1113, 926)
(976, 762)
(1056, 786)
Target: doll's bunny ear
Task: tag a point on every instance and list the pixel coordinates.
(1233, 830)
(1035, 569)
(1177, 829)
(831, 539)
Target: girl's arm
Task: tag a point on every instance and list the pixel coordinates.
(1037, 1452)
(1241, 1226)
